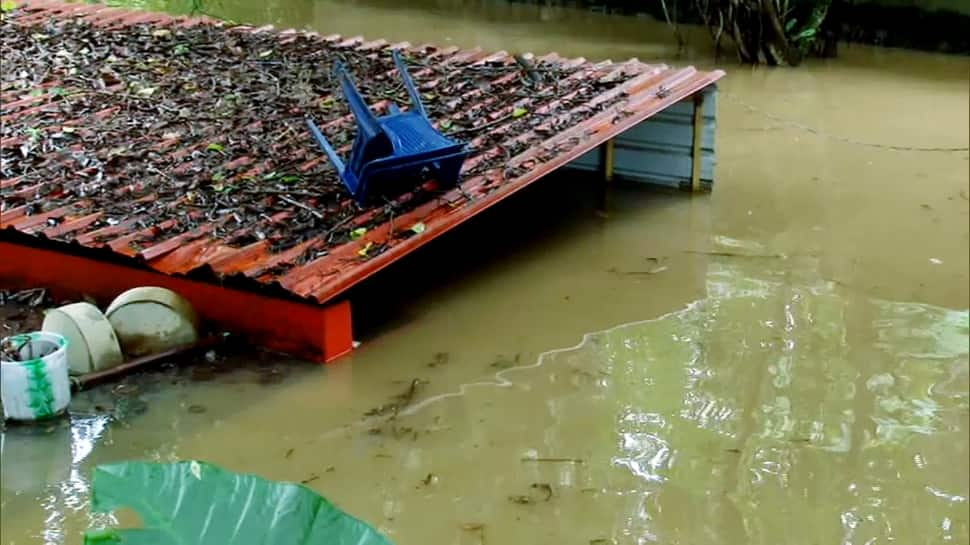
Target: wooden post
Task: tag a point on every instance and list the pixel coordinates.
(697, 157)
(609, 159)
(607, 162)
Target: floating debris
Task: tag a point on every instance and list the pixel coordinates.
(440, 359)
(502, 362)
(399, 401)
(544, 491)
(555, 460)
(545, 488)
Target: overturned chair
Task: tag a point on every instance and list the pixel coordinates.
(395, 149)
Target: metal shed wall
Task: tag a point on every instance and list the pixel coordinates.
(660, 149)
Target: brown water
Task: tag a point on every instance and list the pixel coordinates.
(782, 361)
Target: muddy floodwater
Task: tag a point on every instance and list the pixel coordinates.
(783, 361)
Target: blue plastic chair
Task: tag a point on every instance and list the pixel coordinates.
(396, 148)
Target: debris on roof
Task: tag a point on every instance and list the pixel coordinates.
(182, 143)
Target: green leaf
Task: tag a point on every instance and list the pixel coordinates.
(790, 25)
(218, 177)
(190, 503)
(805, 34)
(357, 233)
(57, 91)
(180, 49)
(7, 5)
(215, 147)
(290, 179)
(445, 125)
(363, 251)
(418, 228)
(36, 92)
(519, 112)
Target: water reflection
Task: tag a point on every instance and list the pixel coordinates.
(47, 461)
(778, 401)
(792, 400)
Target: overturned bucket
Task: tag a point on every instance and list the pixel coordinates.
(149, 320)
(91, 341)
(34, 383)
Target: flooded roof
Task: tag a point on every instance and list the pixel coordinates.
(180, 143)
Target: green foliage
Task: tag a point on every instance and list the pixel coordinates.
(772, 31)
(805, 36)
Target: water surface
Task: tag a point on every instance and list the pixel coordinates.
(782, 361)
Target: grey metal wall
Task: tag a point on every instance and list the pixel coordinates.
(659, 149)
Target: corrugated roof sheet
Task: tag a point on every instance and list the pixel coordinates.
(179, 143)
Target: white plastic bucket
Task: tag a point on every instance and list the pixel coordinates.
(37, 387)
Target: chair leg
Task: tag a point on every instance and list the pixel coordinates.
(366, 119)
(324, 144)
(346, 176)
(357, 188)
(409, 84)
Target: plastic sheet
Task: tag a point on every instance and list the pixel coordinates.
(196, 503)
